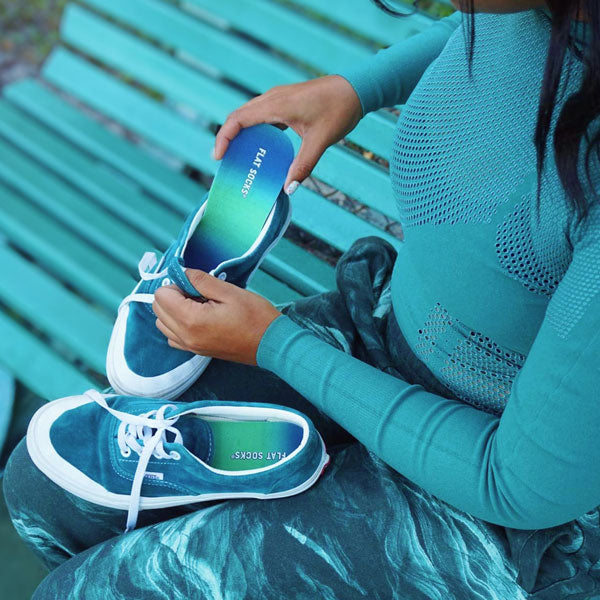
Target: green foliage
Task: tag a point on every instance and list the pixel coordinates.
(29, 28)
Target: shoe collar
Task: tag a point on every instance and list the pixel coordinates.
(216, 410)
(177, 270)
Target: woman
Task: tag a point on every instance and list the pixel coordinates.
(454, 383)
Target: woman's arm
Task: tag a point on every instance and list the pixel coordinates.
(388, 77)
(537, 466)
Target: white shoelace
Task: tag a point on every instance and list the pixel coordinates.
(147, 263)
(132, 430)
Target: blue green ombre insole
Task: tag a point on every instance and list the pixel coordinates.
(242, 445)
(244, 190)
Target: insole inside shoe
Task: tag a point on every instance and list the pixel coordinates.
(242, 445)
(244, 190)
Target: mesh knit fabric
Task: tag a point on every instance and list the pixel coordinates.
(459, 176)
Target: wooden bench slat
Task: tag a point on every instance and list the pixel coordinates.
(146, 63)
(143, 213)
(341, 227)
(349, 172)
(60, 251)
(148, 118)
(369, 183)
(312, 42)
(34, 295)
(118, 241)
(300, 269)
(293, 265)
(375, 132)
(236, 59)
(7, 394)
(210, 45)
(180, 193)
(130, 107)
(365, 18)
(36, 365)
(269, 287)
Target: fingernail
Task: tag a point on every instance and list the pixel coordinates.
(213, 154)
(292, 187)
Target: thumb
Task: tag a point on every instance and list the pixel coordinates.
(309, 154)
(209, 286)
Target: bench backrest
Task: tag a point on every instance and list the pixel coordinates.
(80, 203)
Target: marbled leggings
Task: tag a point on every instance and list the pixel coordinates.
(362, 531)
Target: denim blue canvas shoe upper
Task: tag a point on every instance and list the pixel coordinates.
(146, 350)
(148, 448)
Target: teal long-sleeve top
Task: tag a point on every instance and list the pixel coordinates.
(498, 296)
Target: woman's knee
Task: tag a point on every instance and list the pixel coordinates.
(23, 487)
(51, 521)
(20, 477)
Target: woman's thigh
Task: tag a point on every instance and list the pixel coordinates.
(362, 531)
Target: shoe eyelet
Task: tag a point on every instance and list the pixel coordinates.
(223, 276)
(127, 453)
(166, 281)
(175, 455)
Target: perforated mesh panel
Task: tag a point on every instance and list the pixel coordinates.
(530, 254)
(446, 178)
(476, 369)
(437, 324)
(481, 373)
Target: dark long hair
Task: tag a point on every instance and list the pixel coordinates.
(580, 109)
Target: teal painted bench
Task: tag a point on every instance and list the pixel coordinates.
(103, 155)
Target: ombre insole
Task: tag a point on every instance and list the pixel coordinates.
(244, 190)
(243, 445)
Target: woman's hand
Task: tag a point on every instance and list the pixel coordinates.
(321, 111)
(229, 326)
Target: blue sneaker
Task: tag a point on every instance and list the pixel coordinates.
(238, 222)
(138, 453)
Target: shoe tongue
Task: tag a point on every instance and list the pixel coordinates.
(180, 279)
(197, 436)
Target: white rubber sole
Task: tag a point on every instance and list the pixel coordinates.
(125, 381)
(71, 479)
(168, 385)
